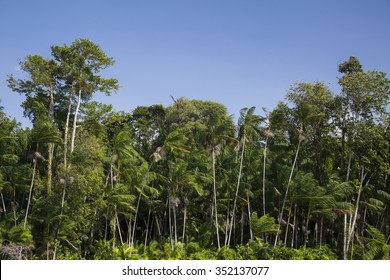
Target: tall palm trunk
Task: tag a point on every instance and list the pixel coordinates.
(147, 227)
(249, 218)
(174, 221)
(238, 186)
(286, 194)
(295, 226)
(264, 161)
(135, 223)
(136, 213)
(3, 203)
(227, 224)
(184, 223)
(351, 229)
(119, 228)
(346, 228)
(67, 129)
(170, 221)
(215, 201)
(287, 228)
(50, 167)
(75, 121)
(30, 193)
(51, 145)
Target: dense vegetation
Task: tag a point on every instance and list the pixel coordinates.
(307, 180)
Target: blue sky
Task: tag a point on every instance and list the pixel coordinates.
(240, 53)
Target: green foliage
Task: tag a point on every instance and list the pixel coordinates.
(282, 253)
(375, 247)
(183, 181)
(263, 225)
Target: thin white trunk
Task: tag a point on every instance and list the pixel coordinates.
(2, 201)
(50, 167)
(63, 199)
(67, 130)
(264, 162)
(175, 222)
(238, 186)
(286, 194)
(135, 223)
(158, 226)
(287, 227)
(249, 218)
(129, 231)
(242, 226)
(75, 122)
(184, 224)
(353, 223)
(119, 228)
(215, 200)
(30, 193)
(349, 167)
(170, 221)
(227, 223)
(147, 227)
(51, 145)
(295, 226)
(114, 229)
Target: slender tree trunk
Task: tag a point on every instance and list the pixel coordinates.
(51, 145)
(295, 226)
(119, 228)
(129, 231)
(75, 121)
(30, 193)
(286, 194)
(67, 129)
(227, 224)
(2, 201)
(342, 149)
(321, 229)
(249, 218)
(147, 228)
(264, 162)
(158, 226)
(63, 199)
(287, 227)
(184, 223)
(114, 229)
(59, 224)
(352, 225)
(349, 166)
(50, 167)
(215, 200)
(175, 222)
(306, 231)
(135, 222)
(106, 227)
(238, 186)
(170, 221)
(345, 237)
(242, 226)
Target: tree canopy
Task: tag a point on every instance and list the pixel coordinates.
(308, 179)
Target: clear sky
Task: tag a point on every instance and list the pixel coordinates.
(240, 53)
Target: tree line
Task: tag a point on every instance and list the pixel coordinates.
(306, 180)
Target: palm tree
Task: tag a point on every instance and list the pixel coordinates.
(268, 134)
(248, 125)
(42, 133)
(35, 158)
(219, 130)
(301, 138)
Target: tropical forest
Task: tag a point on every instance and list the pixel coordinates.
(308, 179)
